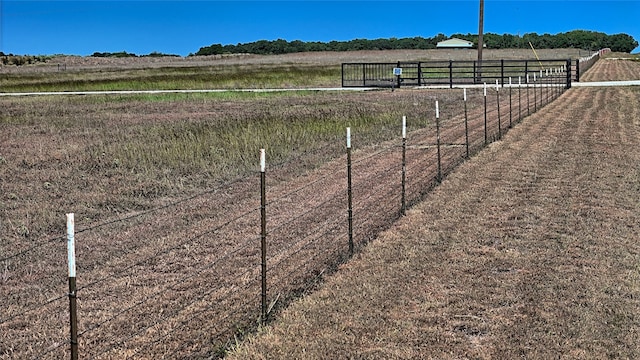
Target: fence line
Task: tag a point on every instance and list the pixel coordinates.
(188, 294)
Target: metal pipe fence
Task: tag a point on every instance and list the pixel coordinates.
(460, 73)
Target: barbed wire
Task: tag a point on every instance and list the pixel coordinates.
(177, 281)
(178, 245)
(315, 235)
(33, 308)
(165, 318)
(126, 218)
(307, 212)
(22, 252)
(51, 348)
(307, 185)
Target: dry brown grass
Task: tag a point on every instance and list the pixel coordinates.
(74, 63)
(62, 171)
(530, 250)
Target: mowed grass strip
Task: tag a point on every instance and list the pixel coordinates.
(529, 250)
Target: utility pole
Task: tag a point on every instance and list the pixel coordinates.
(480, 40)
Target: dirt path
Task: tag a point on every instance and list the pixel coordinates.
(529, 250)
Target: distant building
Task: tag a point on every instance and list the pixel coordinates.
(455, 43)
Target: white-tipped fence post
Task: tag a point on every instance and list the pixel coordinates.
(263, 235)
(438, 142)
(499, 118)
(486, 138)
(404, 165)
(535, 96)
(519, 98)
(349, 193)
(466, 123)
(73, 309)
(528, 101)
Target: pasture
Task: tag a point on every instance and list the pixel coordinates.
(529, 250)
(154, 181)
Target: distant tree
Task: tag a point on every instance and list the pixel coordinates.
(574, 39)
(622, 43)
(214, 49)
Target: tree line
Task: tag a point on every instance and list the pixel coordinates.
(579, 39)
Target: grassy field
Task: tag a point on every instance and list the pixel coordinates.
(227, 72)
(107, 157)
(529, 250)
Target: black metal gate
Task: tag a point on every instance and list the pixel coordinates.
(450, 73)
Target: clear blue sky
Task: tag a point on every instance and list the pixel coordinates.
(182, 27)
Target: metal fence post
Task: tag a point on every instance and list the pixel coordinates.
(349, 193)
(263, 235)
(404, 164)
(475, 78)
(450, 74)
(510, 107)
(502, 72)
(73, 309)
(519, 98)
(498, 101)
(438, 142)
(535, 94)
(528, 101)
(568, 86)
(486, 139)
(466, 123)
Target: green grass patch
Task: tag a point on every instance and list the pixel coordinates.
(209, 77)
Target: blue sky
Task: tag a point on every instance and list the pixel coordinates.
(182, 27)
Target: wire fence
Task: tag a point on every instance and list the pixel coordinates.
(190, 278)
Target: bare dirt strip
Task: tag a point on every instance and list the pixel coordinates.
(530, 250)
